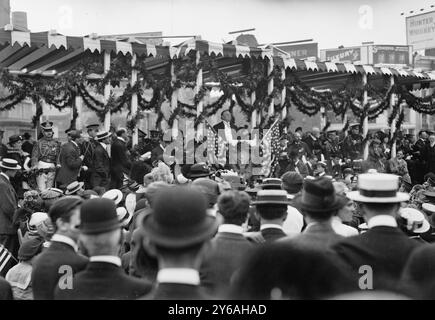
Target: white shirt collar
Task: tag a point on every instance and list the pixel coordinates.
(179, 275)
(230, 228)
(75, 143)
(64, 239)
(103, 145)
(270, 226)
(122, 139)
(108, 259)
(382, 220)
(4, 175)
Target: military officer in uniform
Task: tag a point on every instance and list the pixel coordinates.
(45, 157)
(352, 144)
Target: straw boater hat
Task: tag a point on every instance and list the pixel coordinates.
(115, 195)
(9, 164)
(271, 196)
(414, 220)
(271, 183)
(378, 188)
(103, 135)
(73, 187)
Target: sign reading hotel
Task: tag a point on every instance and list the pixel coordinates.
(420, 31)
(346, 55)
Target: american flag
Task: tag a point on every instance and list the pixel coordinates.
(216, 149)
(5, 257)
(270, 150)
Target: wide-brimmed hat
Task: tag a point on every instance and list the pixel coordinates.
(179, 219)
(115, 195)
(199, 170)
(318, 195)
(103, 135)
(271, 196)
(271, 183)
(414, 220)
(98, 216)
(378, 188)
(9, 164)
(47, 126)
(15, 138)
(73, 187)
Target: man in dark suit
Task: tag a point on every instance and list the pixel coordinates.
(384, 248)
(229, 246)
(431, 153)
(100, 174)
(103, 278)
(61, 260)
(226, 133)
(87, 150)
(311, 164)
(5, 290)
(314, 144)
(8, 205)
(120, 159)
(319, 204)
(420, 157)
(271, 211)
(179, 231)
(70, 160)
(3, 147)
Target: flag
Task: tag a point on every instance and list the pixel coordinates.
(216, 148)
(270, 150)
(5, 257)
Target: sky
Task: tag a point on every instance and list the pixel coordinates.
(330, 23)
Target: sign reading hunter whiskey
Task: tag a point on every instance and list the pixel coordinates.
(420, 31)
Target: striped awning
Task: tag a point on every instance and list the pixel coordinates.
(299, 65)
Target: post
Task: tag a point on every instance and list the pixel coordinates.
(200, 106)
(133, 81)
(283, 97)
(79, 106)
(366, 119)
(270, 86)
(393, 123)
(254, 113)
(174, 101)
(107, 90)
(322, 118)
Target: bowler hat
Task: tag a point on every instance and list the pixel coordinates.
(73, 187)
(199, 170)
(271, 197)
(318, 195)
(15, 138)
(98, 216)
(179, 219)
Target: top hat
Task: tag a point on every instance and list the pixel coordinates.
(73, 187)
(98, 216)
(179, 219)
(47, 126)
(378, 188)
(318, 195)
(199, 170)
(271, 183)
(103, 135)
(115, 195)
(414, 220)
(271, 197)
(15, 138)
(9, 164)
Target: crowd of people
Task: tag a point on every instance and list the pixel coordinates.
(94, 218)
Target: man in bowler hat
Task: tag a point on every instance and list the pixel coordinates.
(103, 278)
(49, 266)
(178, 231)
